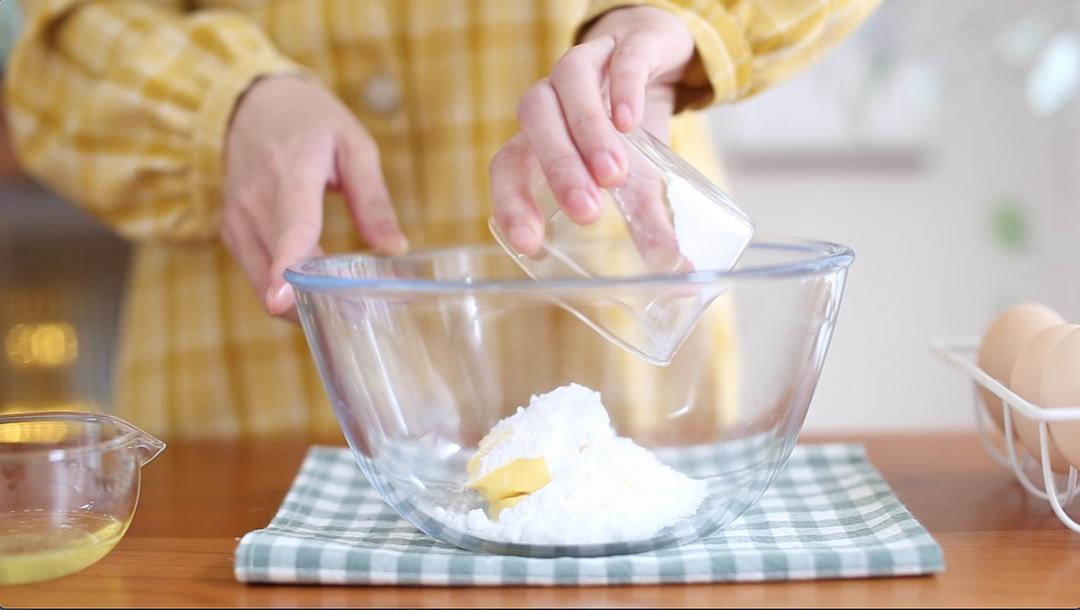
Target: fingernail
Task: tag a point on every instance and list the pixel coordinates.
(605, 167)
(624, 116)
(399, 245)
(581, 202)
(523, 237)
(276, 296)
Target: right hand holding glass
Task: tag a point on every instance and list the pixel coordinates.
(630, 61)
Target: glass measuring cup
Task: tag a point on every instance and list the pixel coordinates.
(69, 483)
(664, 218)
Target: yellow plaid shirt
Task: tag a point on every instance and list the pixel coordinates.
(123, 106)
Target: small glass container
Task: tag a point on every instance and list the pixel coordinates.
(69, 483)
(676, 220)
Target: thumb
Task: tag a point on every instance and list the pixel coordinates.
(299, 228)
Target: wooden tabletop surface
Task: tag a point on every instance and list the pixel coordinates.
(1002, 547)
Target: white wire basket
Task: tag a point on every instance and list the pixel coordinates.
(1058, 489)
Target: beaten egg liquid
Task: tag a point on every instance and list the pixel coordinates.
(41, 546)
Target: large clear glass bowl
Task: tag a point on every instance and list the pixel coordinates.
(422, 354)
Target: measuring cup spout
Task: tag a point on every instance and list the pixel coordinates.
(147, 447)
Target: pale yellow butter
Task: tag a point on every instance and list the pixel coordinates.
(506, 485)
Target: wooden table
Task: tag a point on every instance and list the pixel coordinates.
(1001, 546)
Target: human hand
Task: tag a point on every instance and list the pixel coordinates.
(629, 61)
(290, 141)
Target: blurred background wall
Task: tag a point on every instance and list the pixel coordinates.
(61, 277)
(942, 143)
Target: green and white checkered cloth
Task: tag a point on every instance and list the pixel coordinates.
(828, 514)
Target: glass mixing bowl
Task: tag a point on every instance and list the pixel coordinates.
(422, 354)
(69, 483)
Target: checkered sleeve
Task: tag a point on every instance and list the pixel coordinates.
(746, 46)
(123, 107)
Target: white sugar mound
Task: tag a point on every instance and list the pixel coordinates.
(604, 488)
(554, 426)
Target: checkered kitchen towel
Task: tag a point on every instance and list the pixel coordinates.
(828, 514)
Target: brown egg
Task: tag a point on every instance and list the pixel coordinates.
(1003, 341)
(1061, 388)
(1026, 381)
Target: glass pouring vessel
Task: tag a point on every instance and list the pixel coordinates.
(69, 484)
(665, 217)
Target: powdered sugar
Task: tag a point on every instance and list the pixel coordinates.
(603, 489)
(555, 426)
(710, 236)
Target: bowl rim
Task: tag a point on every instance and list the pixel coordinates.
(129, 435)
(823, 257)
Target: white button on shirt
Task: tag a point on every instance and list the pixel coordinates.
(382, 94)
